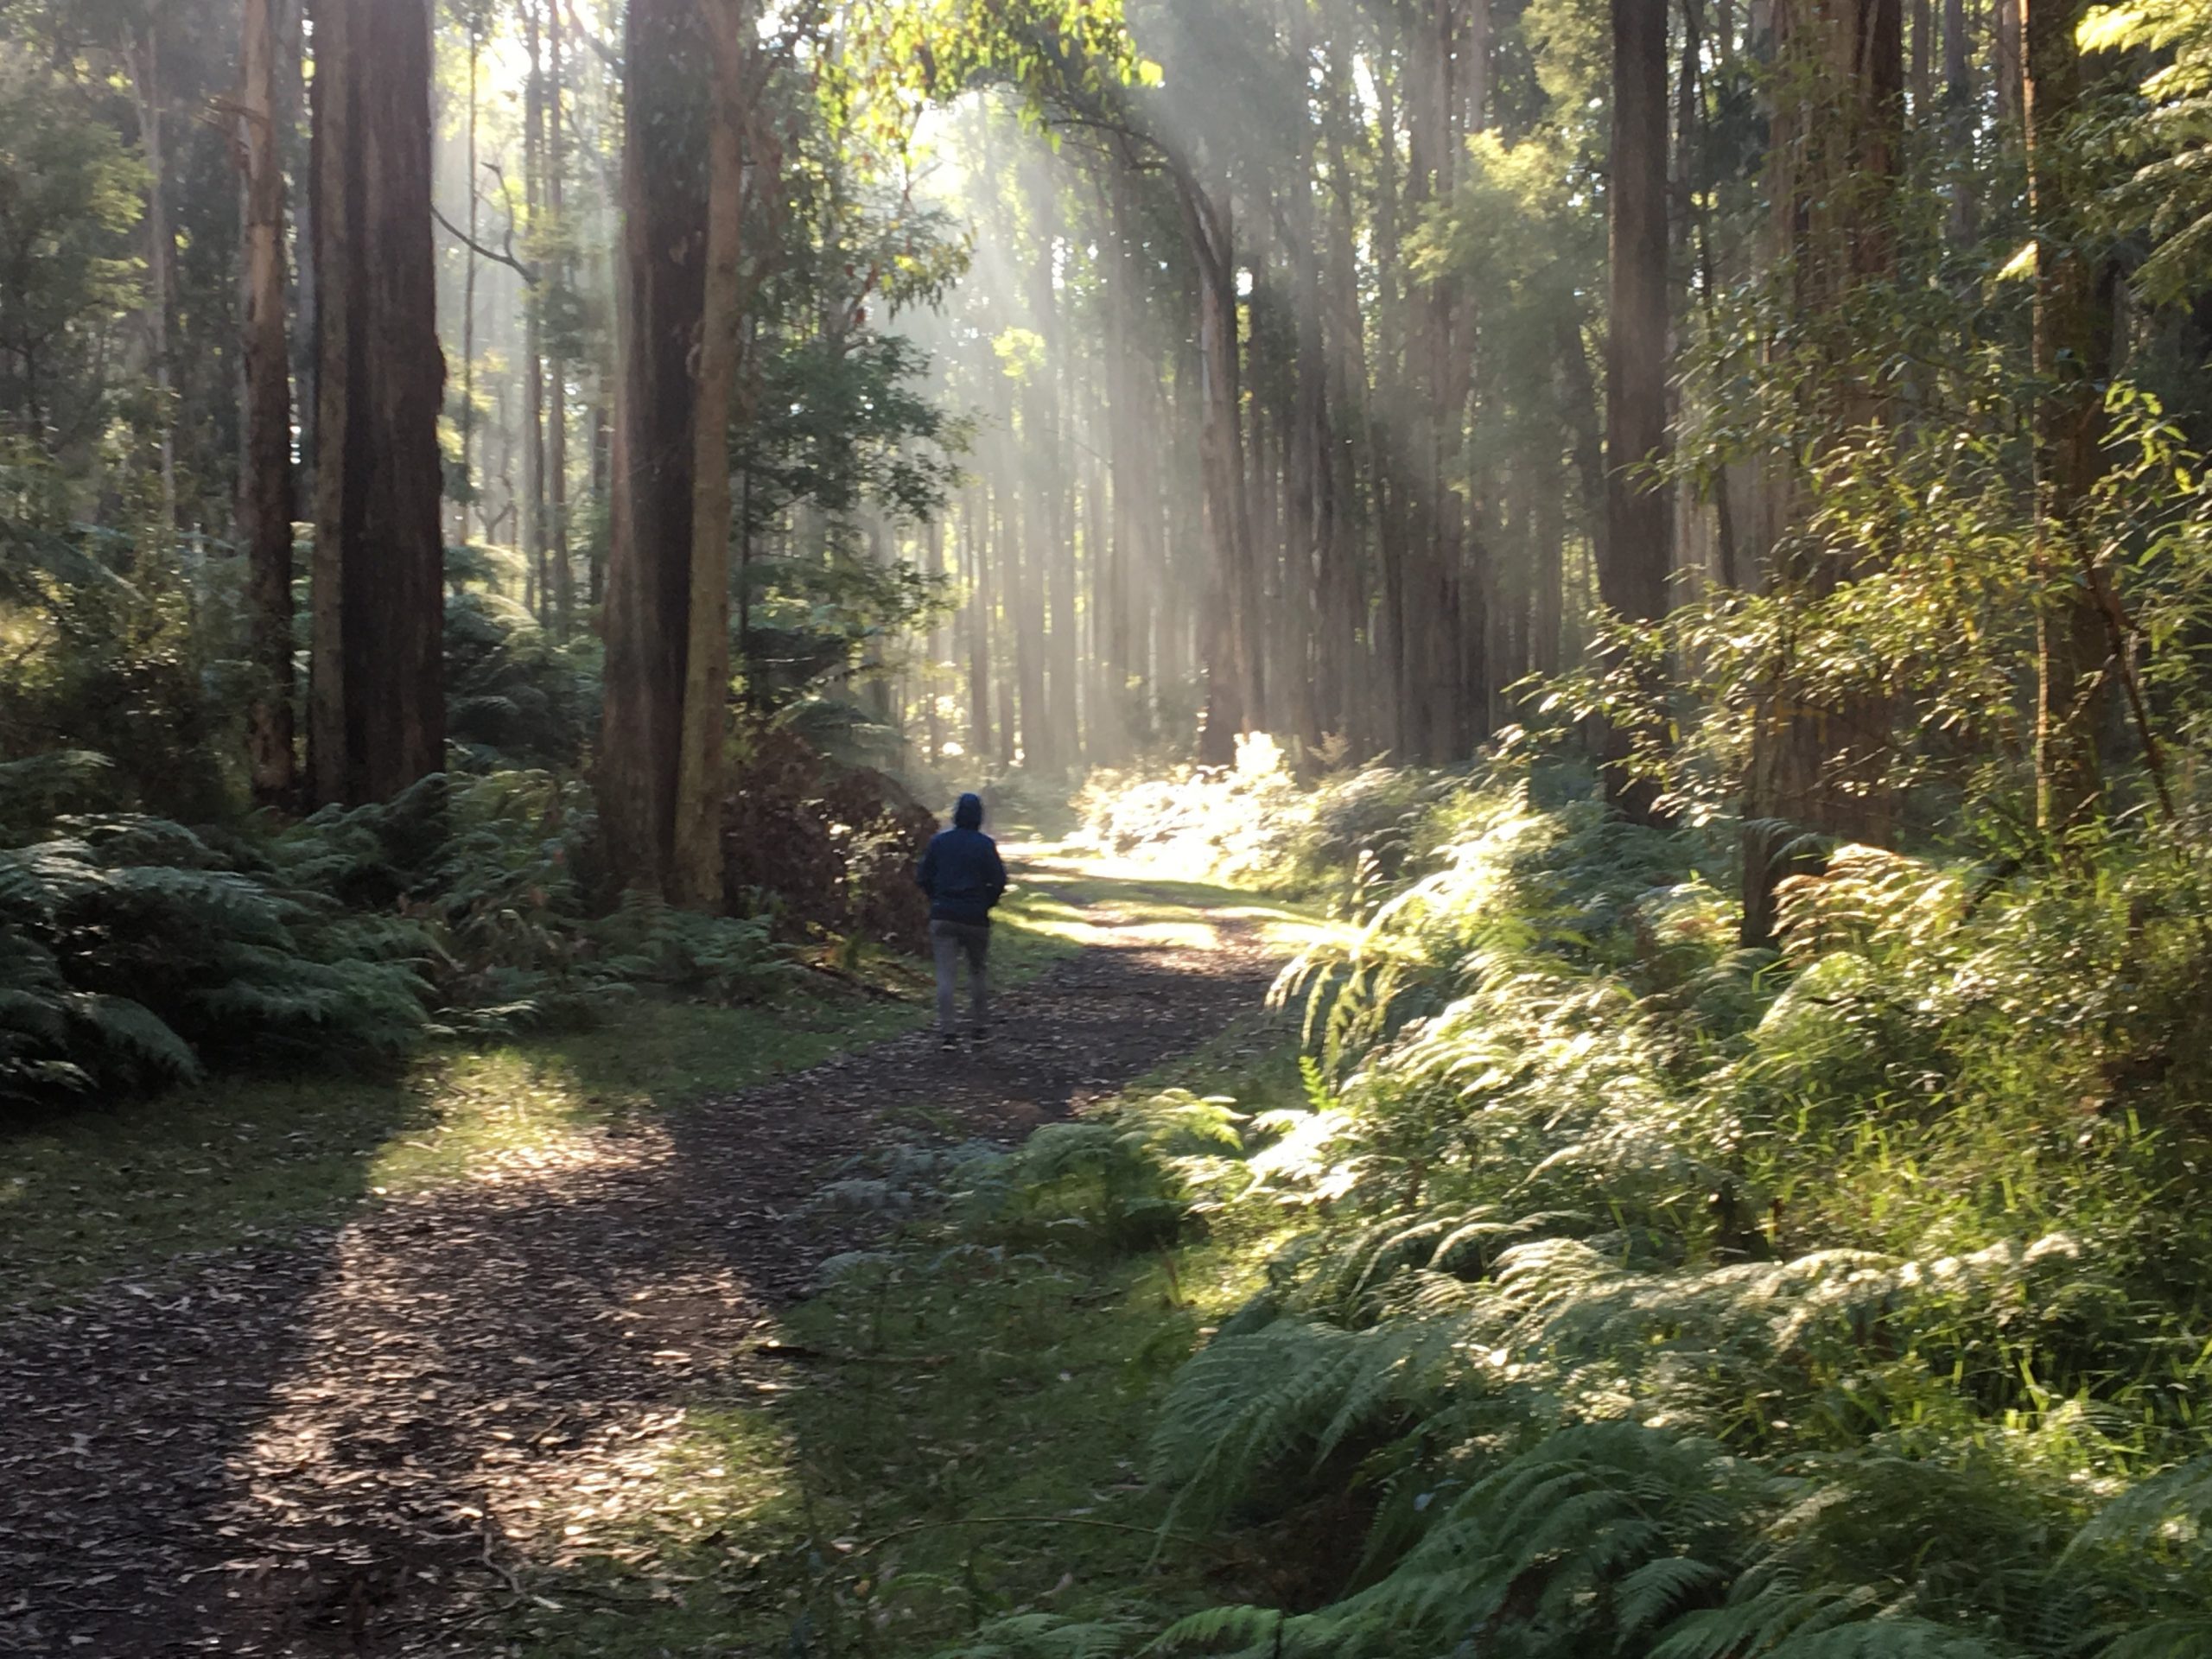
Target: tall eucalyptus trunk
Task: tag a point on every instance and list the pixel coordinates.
(265, 480)
(377, 682)
(1638, 552)
(703, 769)
(2073, 359)
(651, 458)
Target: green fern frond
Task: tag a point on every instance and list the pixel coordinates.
(1245, 1404)
(1223, 1630)
(135, 1033)
(1649, 1595)
(1889, 1638)
(1765, 1610)
(2150, 1511)
(2170, 1638)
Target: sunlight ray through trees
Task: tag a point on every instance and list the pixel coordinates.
(1684, 527)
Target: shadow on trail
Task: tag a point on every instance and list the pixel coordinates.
(352, 1447)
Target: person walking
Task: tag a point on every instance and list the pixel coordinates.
(964, 877)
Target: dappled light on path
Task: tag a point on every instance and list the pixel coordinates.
(1167, 902)
(379, 1438)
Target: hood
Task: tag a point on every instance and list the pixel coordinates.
(969, 815)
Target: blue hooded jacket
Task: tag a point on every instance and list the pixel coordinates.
(962, 871)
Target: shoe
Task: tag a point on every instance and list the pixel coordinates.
(948, 1044)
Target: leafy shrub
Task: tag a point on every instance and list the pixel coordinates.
(1122, 1182)
(499, 873)
(718, 958)
(515, 697)
(135, 953)
(831, 847)
(110, 655)
(1228, 821)
(1651, 1296)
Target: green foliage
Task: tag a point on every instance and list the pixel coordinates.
(900, 51)
(515, 696)
(499, 871)
(109, 653)
(720, 959)
(1937, 632)
(1254, 822)
(70, 193)
(2166, 136)
(1042, 1636)
(135, 951)
(1123, 1183)
(138, 951)
(1645, 1295)
(840, 423)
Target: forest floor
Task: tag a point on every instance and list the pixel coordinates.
(552, 1391)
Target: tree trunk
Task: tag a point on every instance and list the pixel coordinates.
(307, 329)
(1834, 160)
(377, 689)
(1548, 599)
(532, 511)
(1235, 688)
(702, 772)
(556, 368)
(2005, 56)
(1025, 588)
(976, 532)
(161, 262)
(1047, 547)
(934, 655)
(266, 484)
(1632, 575)
(468, 305)
(603, 490)
(1923, 61)
(1959, 123)
(647, 618)
(2073, 358)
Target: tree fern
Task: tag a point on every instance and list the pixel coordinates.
(1246, 1405)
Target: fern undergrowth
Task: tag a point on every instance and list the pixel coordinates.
(1633, 1293)
(136, 952)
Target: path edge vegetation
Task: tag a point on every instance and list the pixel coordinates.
(137, 1187)
(1560, 1272)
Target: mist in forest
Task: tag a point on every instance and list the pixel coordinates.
(1646, 564)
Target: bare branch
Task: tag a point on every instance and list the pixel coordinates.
(528, 273)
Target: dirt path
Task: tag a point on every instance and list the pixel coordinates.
(349, 1446)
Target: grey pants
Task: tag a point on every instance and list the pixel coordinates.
(949, 941)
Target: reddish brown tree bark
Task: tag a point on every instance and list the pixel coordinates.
(1834, 166)
(377, 689)
(647, 617)
(1637, 548)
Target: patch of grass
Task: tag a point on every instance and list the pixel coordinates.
(1094, 900)
(954, 1431)
(95, 1191)
(98, 1191)
(952, 1437)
